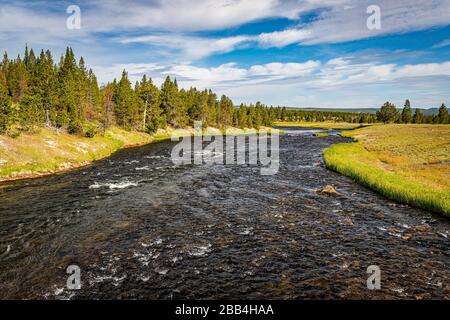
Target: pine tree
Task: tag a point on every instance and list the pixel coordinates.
(107, 119)
(407, 112)
(226, 112)
(17, 79)
(93, 108)
(31, 112)
(387, 113)
(82, 84)
(68, 111)
(4, 66)
(443, 114)
(149, 111)
(170, 102)
(418, 117)
(242, 117)
(6, 111)
(125, 102)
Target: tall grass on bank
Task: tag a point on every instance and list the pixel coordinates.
(406, 163)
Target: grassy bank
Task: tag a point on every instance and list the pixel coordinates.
(49, 151)
(407, 163)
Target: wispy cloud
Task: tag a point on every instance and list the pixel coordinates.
(183, 15)
(169, 24)
(442, 44)
(341, 23)
(190, 47)
(174, 37)
(338, 72)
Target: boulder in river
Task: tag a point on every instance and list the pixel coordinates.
(329, 190)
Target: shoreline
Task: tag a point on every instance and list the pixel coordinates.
(389, 166)
(115, 140)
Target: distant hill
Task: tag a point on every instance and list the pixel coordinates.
(427, 112)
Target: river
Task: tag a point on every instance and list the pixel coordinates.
(140, 227)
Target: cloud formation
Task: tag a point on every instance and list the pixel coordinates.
(191, 40)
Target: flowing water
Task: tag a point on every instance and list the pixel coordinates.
(140, 227)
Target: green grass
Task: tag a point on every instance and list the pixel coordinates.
(49, 151)
(406, 163)
(320, 134)
(321, 125)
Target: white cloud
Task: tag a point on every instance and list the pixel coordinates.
(344, 20)
(231, 74)
(341, 82)
(135, 71)
(190, 47)
(172, 26)
(283, 38)
(209, 76)
(342, 23)
(311, 74)
(169, 24)
(183, 15)
(283, 70)
(423, 70)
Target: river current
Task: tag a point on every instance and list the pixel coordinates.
(140, 227)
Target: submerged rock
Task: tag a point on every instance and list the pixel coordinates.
(329, 190)
(423, 228)
(347, 222)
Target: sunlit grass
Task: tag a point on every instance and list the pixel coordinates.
(407, 163)
(49, 151)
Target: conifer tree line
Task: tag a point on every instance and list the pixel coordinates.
(388, 113)
(292, 115)
(35, 91)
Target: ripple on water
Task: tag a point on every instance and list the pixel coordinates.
(200, 251)
(144, 168)
(116, 185)
(225, 223)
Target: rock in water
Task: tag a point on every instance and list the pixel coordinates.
(423, 228)
(330, 190)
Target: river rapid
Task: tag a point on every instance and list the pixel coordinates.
(140, 227)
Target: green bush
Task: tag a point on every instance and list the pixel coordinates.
(90, 130)
(75, 127)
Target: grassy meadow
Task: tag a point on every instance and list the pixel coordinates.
(407, 163)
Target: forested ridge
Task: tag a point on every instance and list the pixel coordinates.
(36, 91)
(388, 113)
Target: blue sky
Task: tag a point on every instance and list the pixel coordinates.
(298, 53)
